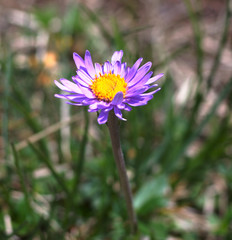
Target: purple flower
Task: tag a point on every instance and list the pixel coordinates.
(110, 86)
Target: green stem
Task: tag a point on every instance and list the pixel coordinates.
(21, 177)
(81, 157)
(119, 159)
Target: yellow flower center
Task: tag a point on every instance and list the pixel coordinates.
(107, 86)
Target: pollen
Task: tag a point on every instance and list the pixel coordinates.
(106, 86)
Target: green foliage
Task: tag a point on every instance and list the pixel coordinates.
(46, 15)
(151, 196)
(56, 185)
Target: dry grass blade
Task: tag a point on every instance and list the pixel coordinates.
(47, 131)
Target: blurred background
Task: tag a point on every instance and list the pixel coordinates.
(57, 172)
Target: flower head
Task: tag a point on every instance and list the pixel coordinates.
(110, 86)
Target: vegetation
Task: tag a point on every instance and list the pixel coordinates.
(58, 179)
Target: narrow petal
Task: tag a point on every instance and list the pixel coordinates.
(144, 79)
(60, 86)
(60, 96)
(80, 82)
(75, 104)
(137, 91)
(121, 106)
(87, 92)
(133, 70)
(155, 78)
(117, 68)
(99, 105)
(88, 101)
(118, 113)
(118, 98)
(117, 56)
(93, 106)
(78, 60)
(79, 98)
(71, 86)
(75, 97)
(103, 116)
(127, 108)
(139, 100)
(151, 93)
(140, 84)
(92, 110)
(89, 64)
(84, 77)
(140, 74)
(123, 70)
(107, 67)
(98, 69)
(103, 105)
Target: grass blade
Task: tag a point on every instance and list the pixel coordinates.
(224, 93)
(198, 36)
(21, 177)
(47, 162)
(81, 158)
(222, 43)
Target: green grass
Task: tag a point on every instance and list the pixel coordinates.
(178, 156)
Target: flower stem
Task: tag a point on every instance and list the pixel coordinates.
(119, 159)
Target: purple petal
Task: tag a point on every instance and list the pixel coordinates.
(99, 105)
(140, 74)
(117, 56)
(78, 60)
(117, 68)
(89, 64)
(144, 79)
(60, 86)
(103, 116)
(88, 101)
(123, 70)
(92, 110)
(133, 70)
(71, 86)
(107, 67)
(75, 98)
(93, 106)
(137, 91)
(80, 82)
(118, 98)
(84, 77)
(76, 104)
(98, 69)
(118, 113)
(155, 78)
(103, 105)
(127, 108)
(140, 84)
(151, 93)
(121, 106)
(87, 92)
(139, 100)
(60, 96)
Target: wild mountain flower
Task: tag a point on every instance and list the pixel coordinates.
(110, 86)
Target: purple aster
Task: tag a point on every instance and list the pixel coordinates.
(110, 86)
